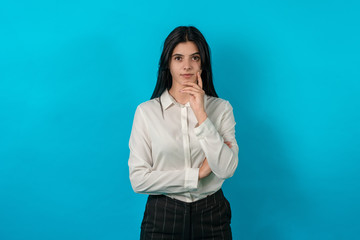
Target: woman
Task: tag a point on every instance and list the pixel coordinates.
(183, 147)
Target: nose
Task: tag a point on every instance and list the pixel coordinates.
(187, 64)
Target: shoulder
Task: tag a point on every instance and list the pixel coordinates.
(149, 106)
(218, 103)
(219, 111)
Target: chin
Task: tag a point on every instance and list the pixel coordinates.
(189, 80)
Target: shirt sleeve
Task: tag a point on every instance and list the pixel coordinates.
(222, 159)
(143, 178)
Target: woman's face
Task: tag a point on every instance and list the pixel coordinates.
(185, 62)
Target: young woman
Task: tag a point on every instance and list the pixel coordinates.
(183, 147)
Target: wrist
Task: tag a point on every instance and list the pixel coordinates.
(201, 117)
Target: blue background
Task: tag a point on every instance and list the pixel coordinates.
(73, 72)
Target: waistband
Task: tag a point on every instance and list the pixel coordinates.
(210, 199)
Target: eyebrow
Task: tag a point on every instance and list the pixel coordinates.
(178, 54)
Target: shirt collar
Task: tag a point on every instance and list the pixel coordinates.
(167, 100)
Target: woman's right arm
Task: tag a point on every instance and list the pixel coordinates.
(145, 179)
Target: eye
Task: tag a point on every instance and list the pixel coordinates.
(177, 58)
(196, 58)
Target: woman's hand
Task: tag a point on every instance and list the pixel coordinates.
(228, 143)
(196, 98)
(205, 169)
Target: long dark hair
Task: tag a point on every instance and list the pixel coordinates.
(178, 35)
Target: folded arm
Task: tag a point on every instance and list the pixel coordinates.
(221, 156)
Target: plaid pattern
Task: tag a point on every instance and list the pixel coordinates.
(167, 218)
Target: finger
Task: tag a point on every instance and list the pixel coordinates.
(228, 143)
(194, 88)
(200, 83)
(190, 92)
(191, 84)
(191, 89)
(204, 162)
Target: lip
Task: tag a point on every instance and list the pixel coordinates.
(187, 75)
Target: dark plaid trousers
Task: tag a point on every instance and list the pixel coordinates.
(167, 218)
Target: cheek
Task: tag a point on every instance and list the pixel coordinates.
(174, 68)
(199, 66)
(171, 70)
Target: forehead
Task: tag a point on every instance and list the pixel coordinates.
(186, 48)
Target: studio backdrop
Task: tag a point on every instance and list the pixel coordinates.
(73, 72)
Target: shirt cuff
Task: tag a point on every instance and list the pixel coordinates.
(206, 128)
(191, 178)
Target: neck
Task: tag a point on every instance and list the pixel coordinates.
(181, 98)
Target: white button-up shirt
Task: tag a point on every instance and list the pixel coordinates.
(167, 148)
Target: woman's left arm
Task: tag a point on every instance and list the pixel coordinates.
(222, 158)
(220, 147)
